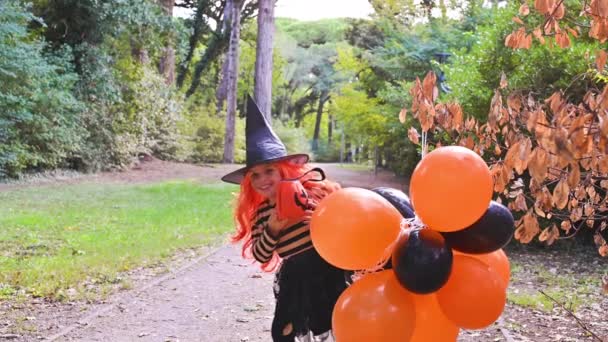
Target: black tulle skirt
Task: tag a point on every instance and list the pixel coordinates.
(306, 289)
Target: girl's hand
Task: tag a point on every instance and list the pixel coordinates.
(307, 216)
(275, 226)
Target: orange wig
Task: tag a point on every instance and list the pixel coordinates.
(248, 202)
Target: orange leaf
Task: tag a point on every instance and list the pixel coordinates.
(528, 229)
(428, 86)
(559, 12)
(538, 164)
(599, 240)
(574, 176)
(603, 250)
(562, 39)
(599, 8)
(503, 81)
(573, 32)
(402, 114)
(413, 135)
(549, 234)
(520, 203)
(560, 194)
(457, 116)
(539, 35)
(497, 150)
(524, 9)
(566, 226)
(517, 20)
(600, 60)
(543, 6)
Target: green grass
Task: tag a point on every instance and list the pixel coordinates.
(568, 288)
(57, 238)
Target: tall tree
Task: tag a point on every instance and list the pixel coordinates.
(263, 59)
(167, 61)
(209, 18)
(324, 97)
(222, 89)
(232, 74)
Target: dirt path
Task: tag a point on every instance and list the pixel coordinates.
(220, 298)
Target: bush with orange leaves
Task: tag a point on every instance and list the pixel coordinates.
(549, 159)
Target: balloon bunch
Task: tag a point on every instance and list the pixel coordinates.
(435, 263)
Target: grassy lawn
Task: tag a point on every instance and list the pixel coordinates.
(56, 238)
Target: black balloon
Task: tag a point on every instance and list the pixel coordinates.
(491, 232)
(398, 199)
(422, 261)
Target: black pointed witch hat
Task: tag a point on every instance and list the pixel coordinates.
(263, 145)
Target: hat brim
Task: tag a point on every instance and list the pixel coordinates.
(236, 177)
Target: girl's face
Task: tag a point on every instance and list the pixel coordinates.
(265, 179)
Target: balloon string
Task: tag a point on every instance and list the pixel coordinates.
(409, 223)
(424, 143)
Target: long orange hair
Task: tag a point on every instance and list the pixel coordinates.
(248, 202)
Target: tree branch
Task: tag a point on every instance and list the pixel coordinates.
(578, 320)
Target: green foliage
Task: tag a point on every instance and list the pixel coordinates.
(309, 33)
(39, 124)
(295, 139)
(56, 238)
(474, 74)
(202, 135)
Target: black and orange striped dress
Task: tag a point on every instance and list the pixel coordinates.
(306, 286)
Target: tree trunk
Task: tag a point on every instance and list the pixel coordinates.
(315, 138)
(263, 58)
(222, 89)
(233, 60)
(330, 126)
(167, 61)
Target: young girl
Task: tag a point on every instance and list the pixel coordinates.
(306, 286)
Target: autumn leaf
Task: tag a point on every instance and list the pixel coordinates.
(428, 86)
(524, 10)
(413, 135)
(503, 80)
(497, 150)
(539, 35)
(521, 162)
(603, 250)
(538, 164)
(562, 39)
(573, 31)
(599, 239)
(520, 203)
(600, 60)
(549, 235)
(544, 6)
(527, 229)
(517, 20)
(566, 226)
(402, 115)
(574, 176)
(599, 8)
(560, 194)
(559, 11)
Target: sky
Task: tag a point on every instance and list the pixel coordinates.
(314, 9)
(321, 9)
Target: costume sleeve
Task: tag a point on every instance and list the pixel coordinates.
(263, 243)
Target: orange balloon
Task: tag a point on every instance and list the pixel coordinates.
(451, 188)
(374, 308)
(498, 262)
(431, 323)
(474, 296)
(353, 228)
